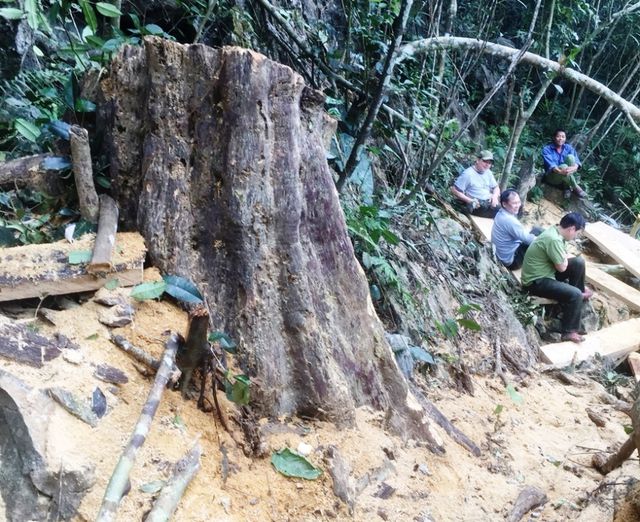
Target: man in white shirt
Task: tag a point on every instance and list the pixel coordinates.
(477, 189)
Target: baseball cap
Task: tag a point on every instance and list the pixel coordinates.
(485, 155)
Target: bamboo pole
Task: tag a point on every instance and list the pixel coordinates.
(120, 476)
(105, 238)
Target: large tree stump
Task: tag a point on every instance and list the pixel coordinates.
(218, 158)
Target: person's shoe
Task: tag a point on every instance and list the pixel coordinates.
(574, 337)
(580, 193)
(587, 294)
(567, 194)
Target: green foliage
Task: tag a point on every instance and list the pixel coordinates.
(26, 217)
(79, 257)
(182, 289)
(176, 286)
(291, 464)
(226, 342)
(149, 290)
(450, 327)
(237, 388)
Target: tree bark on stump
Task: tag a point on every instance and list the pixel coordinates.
(218, 158)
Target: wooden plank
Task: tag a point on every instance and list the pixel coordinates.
(40, 270)
(613, 342)
(620, 246)
(634, 364)
(613, 286)
(483, 226)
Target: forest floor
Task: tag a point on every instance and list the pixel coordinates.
(541, 436)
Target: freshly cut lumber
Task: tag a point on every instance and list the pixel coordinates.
(41, 270)
(105, 238)
(620, 246)
(613, 342)
(634, 364)
(613, 286)
(484, 226)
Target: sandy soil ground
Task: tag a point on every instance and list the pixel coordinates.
(546, 441)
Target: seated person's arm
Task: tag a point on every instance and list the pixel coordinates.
(460, 195)
(561, 267)
(495, 196)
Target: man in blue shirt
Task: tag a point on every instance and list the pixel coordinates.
(509, 237)
(558, 170)
(477, 189)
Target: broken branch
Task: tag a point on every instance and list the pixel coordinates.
(120, 476)
(83, 173)
(183, 472)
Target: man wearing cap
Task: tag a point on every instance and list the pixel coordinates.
(477, 189)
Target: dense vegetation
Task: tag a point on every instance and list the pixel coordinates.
(405, 126)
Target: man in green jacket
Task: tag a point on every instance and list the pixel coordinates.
(547, 271)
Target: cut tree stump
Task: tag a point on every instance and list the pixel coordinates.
(41, 270)
(218, 157)
(613, 342)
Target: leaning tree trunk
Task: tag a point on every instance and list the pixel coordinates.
(218, 158)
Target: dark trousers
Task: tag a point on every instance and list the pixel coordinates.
(567, 289)
(484, 210)
(518, 257)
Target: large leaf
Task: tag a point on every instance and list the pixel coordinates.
(56, 163)
(27, 129)
(11, 13)
(226, 342)
(89, 15)
(238, 391)
(420, 354)
(151, 290)
(182, 289)
(78, 257)
(291, 464)
(108, 10)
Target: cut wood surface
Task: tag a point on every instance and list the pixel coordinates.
(40, 270)
(634, 364)
(101, 261)
(613, 286)
(620, 246)
(613, 342)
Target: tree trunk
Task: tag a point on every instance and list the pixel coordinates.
(218, 157)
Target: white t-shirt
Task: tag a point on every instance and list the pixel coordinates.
(476, 185)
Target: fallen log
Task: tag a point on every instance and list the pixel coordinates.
(83, 173)
(183, 472)
(529, 498)
(137, 353)
(41, 270)
(603, 464)
(105, 238)
(120, 477)
(436, 415)
(33, 172)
